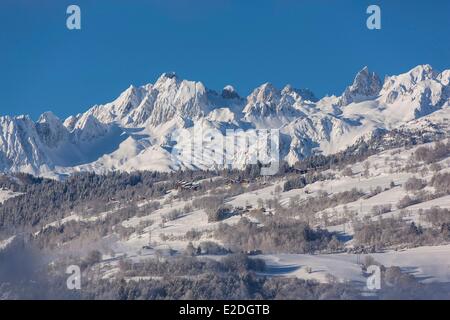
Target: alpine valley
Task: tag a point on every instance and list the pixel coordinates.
(363, 185)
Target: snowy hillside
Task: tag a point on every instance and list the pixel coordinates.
(326, 219)
(381, 178)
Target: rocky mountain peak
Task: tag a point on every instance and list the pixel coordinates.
(366, 85)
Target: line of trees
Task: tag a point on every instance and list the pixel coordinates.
(275, 236)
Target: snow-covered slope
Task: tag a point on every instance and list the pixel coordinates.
(416, 93)
(40, 147)
(134, 131)
(6, 194)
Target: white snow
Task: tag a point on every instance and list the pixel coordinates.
(133, 131)
(7, 194)
(5, 243)
(429, 264)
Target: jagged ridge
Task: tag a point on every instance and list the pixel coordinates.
(133, 131)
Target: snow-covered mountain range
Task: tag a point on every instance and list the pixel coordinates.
(134, 131)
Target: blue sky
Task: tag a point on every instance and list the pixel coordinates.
(316, 44)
